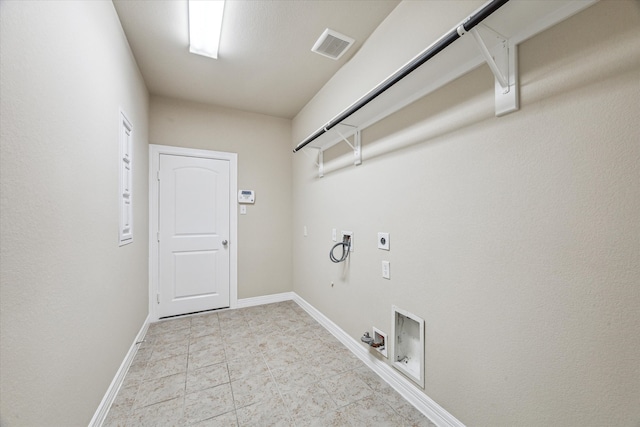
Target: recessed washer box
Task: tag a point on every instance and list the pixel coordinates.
(380, 339)
(408, 345)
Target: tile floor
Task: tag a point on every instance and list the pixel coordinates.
(270, 365)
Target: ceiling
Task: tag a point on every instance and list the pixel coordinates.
(265, 64)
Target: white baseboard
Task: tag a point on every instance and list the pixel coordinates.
(112, 391)
(438, 415)
(266, 299)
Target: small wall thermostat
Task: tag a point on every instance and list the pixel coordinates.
(246, 196)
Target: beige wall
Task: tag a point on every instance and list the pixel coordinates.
(262, 143)
(517, 238)
(72, 301)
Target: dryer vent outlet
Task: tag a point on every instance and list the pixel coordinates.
(332, 44)
(408, 346)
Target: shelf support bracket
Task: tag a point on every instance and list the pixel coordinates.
(356, 146)
(357, 150)
(344, 138)
(319, 162)
(315, 162)
(503, 62)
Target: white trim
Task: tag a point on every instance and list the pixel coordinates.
(154, 166)
(103, 409)
(438, 415)
(266, 299)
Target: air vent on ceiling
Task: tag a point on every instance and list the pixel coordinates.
(332, 44)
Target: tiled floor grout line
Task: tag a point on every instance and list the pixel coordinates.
(273, 378)
(226, 362)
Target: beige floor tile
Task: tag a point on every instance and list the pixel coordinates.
(307, 403)
(255, 389)
(236, 323)
(162, 351)
(160, 389)
(370, 378)
(264, 414)
(336, 418)
(282, 357)
(125, 399)
(237, 350)
(167, 413)
(135, 374)
(204, 404)
(246, 366)
(205, 342)
(165, 367)
(210, 356)
(143, 354)
(205, 321)
(228, 419)
(346, 388)
(293, 376)
(165, 326)
(372, 411)
(413, 417)
(170, 336)
(116, 417)
(207, 377)
(244, 335)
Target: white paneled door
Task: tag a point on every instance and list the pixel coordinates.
(193, 237)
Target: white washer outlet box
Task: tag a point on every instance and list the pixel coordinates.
(350, 234)
(383, 241)
(380, 341)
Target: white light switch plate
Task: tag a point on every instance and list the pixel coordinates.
(386, 273)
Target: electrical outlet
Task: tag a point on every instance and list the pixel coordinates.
(334, 235)
(386, 273)
(383, 241)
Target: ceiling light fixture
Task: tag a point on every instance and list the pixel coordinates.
(205, 25)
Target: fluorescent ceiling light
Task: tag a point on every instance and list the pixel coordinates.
(205, 25)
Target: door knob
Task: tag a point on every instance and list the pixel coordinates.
(225, 243)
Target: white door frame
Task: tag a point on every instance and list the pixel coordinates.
(154, 167)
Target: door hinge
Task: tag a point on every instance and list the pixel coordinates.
(158, 236)
(158, 175)
(158, 298)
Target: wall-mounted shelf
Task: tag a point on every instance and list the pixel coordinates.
(491, 35)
